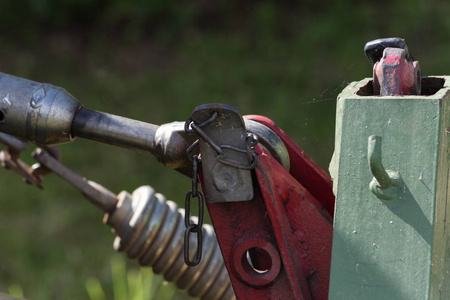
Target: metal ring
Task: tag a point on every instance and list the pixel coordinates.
(186, 126)
(195, 176)
(190, 149)
(207, 122)
(252, 140)
(198, 255)
(187, 214)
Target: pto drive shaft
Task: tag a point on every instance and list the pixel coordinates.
(48, 115)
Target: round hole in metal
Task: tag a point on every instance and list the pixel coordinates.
(256, 262)
(257, 259)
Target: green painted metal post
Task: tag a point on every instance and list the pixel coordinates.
(392, 239)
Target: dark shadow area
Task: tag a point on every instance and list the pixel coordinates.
(405, 207)
(430, 86)
(360, 272)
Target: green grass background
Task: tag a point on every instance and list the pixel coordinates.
(155, 61)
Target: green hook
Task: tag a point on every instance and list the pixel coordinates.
(385, 183)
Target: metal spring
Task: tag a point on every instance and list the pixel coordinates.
(151, 230)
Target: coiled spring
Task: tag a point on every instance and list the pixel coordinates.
(151, 230)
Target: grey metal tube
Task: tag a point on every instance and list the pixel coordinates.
(38, 112)
(168, 142)
(114, 130)
(13, 142)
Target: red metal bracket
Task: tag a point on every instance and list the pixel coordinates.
(303, 168)
(278, 245)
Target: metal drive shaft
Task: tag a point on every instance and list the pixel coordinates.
(151, 230)
(48, 115)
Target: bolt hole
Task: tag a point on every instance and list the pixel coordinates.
(2, 116)
(257, 260)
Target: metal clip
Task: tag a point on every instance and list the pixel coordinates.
(227, 152)
(10, 159)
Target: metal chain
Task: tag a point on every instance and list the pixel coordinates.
(190, 226)
(190, 127)
(194, 193)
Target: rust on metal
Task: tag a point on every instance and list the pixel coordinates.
(395, 75)
(10, 159)
(395, 72)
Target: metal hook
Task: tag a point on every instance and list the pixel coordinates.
(385, 183)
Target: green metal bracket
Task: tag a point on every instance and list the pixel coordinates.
(397, 248)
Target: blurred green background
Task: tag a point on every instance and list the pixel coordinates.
(155, 61)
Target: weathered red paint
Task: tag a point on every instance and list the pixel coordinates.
(303, 168)
(395, 75)
(290, 229)
(267, 258)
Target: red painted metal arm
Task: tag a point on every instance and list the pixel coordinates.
(278, 245)
(303, 168)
